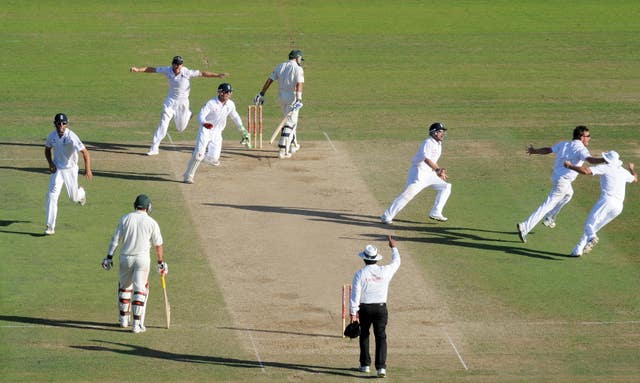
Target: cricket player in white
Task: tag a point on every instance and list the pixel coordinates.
(424, 172)
(561, 193)
(213, 120)
(290, 77)
(138, 232)
(63, 165)
(613, 180)
(176, 105)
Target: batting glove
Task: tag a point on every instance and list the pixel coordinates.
(107, 263)
(246, 139)
(258, 99)
(163, 268)
(296, 105)
(208, 125)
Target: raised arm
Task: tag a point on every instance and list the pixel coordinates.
(144, 69)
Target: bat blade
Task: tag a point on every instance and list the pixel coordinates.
(278, 129)
(167, 306)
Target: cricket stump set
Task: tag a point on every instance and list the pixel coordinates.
(346, 297)
(254, 124)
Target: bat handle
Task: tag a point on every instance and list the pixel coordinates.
(164, 285)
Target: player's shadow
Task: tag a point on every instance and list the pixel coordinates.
(133, 149)
(85, 325)
(280, 332)
(147, 352)
(157, 177)
(468, 237)
(8, 222)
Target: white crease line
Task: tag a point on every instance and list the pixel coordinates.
(330, 143)
(255, 349)
(170, 139)
(456, 350)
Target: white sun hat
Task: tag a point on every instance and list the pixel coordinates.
(612, 157)
(370, 253)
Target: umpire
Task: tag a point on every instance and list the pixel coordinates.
(369, 291)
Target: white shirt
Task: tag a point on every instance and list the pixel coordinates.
(179, 85)
(288, 74)
(613, 180)
(431, 149)
(65, 148)
(216, 113)
(138, 232)
(573, 151)
(371, 283)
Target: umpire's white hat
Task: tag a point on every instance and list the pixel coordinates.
(370, 253)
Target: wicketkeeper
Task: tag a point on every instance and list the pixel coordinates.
(138, 232)
(290, 77)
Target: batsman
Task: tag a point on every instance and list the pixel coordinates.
(137, 232)
(290, 77)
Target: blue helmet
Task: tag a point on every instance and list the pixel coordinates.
(225, 87)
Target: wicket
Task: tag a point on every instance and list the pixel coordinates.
(254, 124)
(346, 297)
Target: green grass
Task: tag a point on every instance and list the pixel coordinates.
(500, 74)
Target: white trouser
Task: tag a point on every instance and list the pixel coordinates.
(420, 177)
(209, 142)
(603, 212)
(176, 109)
(68, 177)
(288, 136)
(134, 275)
(558, 197)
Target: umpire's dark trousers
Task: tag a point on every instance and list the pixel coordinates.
(373, 314)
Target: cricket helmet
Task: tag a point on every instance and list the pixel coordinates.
(436, 126)
(142, 202)
(225, 87)
(177, 60)
(60, 118)
(295, 54)
(352, 330)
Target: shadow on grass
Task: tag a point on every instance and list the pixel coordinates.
(437, 233)
(280, 332)
(158, 177)
(85, 325)
(141, 351)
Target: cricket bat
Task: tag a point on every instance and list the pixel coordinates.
(278, 129)
(167, 306)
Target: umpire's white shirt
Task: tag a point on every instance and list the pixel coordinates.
(65, 148)
(371, 283)
(138, 232)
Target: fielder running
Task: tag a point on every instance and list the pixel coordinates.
(176, 105)
(290, 77)
(63, 165)
(138, 232)
(213, 120)
(613, 180)
(424, 172)
(574, 151)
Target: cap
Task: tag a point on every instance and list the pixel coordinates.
(370, 253)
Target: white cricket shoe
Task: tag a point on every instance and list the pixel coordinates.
(591, 244)
(188, 180)
(440, 217)
(212, 162)
(521, 233)
(49, 230)
(385, 220)
(153, 152)
(382, 373)
(294, 148)
(282, 154)
(123, 320)
(549, 222)
(138, 328)
(364, 369)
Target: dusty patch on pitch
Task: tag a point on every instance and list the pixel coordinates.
(282, 237)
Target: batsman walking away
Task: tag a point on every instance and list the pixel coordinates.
(176, 105)
(137, 232)
(290, 77)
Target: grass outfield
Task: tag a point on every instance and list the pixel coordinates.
(500, 74)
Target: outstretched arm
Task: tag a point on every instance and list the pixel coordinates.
(531, 150)
(144, 69)
(580, 169)
(214, 74)
(633, 172)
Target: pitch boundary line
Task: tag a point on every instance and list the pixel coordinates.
(330, 142)
(456, 350)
